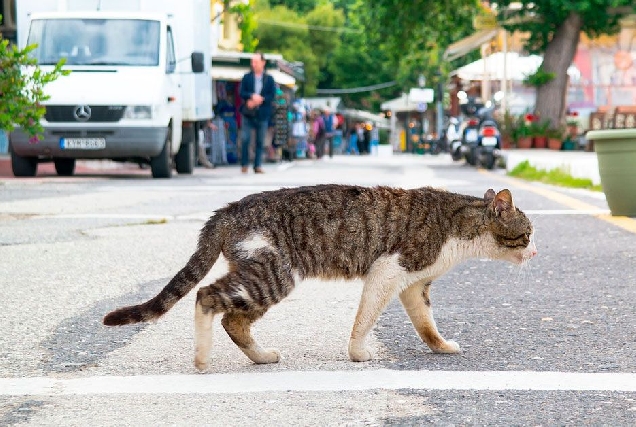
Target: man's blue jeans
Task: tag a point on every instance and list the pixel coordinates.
(246, 135)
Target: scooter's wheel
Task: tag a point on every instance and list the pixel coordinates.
(456, 155)
(489, 161)
(471, 158)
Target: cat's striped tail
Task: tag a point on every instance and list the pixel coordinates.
(208, 250)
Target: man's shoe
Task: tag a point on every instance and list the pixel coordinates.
(244, 169)
(258, 170)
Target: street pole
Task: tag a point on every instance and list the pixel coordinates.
(440, 108)
(422, 83)
(440, 98)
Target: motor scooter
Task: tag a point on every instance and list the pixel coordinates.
(488, 144)
(470, 137)
(470, 132)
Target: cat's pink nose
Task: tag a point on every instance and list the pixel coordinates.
(533, 250)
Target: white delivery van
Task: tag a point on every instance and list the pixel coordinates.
(139, 87)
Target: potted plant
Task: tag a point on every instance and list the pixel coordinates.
(524, 138)
(507, 128)
(539, 132)
(572, 124)
(616, 153)
(555, 138)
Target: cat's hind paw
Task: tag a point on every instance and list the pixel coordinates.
(360, 355)
(449, 347)
(262, 356)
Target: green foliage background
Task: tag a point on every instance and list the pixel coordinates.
(22, 88)
(377, 41)
(368, 42)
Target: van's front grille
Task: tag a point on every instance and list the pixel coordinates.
(84, 113)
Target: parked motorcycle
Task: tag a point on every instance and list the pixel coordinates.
(453, 139)
(488, 144)
(470, 132)
(469, 141)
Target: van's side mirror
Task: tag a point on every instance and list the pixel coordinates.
(197, 60)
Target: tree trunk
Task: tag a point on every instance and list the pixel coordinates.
(558, 56)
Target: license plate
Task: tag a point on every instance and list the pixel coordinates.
(489, 141)
(82, 143)
(471, 135)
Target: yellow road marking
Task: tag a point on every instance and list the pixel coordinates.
(623, 222)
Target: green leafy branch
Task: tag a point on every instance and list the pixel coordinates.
(539, 78)
(22, 88)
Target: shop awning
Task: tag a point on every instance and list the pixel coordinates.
(468, 44)
(400, 105)
(230, 74)
(235, 74)
(281, 78)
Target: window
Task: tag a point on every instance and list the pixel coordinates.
(131, 42)
(171, 59)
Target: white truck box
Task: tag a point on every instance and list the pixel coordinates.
(139, 86)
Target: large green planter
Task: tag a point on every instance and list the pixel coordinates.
(616, 153)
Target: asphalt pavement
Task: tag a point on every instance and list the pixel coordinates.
(549, 343)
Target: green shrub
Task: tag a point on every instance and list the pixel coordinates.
(22, 88)
(557, 176)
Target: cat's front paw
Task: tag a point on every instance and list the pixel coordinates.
(449, 347)
(362, 354)
(201, 365)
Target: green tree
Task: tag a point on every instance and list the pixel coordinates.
(554, 27)
(415, 34)
(22, 88)
(299, 38)
(322, 40)
(360, 60)
(299, 6)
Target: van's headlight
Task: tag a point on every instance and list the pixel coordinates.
(138, 112)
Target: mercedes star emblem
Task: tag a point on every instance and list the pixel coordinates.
(82, 113)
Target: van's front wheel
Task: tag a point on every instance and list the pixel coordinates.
(23, 166)
(161, 165)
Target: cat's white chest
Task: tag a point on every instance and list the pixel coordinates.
(452, 253)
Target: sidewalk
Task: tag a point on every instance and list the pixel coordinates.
(82, 166)
(579, 164)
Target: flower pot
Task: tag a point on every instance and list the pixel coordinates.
(524, 142)
(506, 142)
(540, 142)
(616, 153)
(573, 130)
(554, 143)
(568, 145)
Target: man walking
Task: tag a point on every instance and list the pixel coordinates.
(257, 92)
(330, 122)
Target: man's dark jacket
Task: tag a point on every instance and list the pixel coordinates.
(268, 92)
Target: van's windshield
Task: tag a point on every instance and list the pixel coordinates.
(132, 42)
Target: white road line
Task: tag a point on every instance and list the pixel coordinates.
(320, 381)
(566, 212)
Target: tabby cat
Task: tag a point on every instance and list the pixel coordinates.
(398, 241)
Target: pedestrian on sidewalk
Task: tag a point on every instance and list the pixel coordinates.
(257, 92)
(203, 142)
(330, 122)
(352, 140)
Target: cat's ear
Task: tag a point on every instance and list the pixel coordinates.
(489, 195)
(503, 202)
